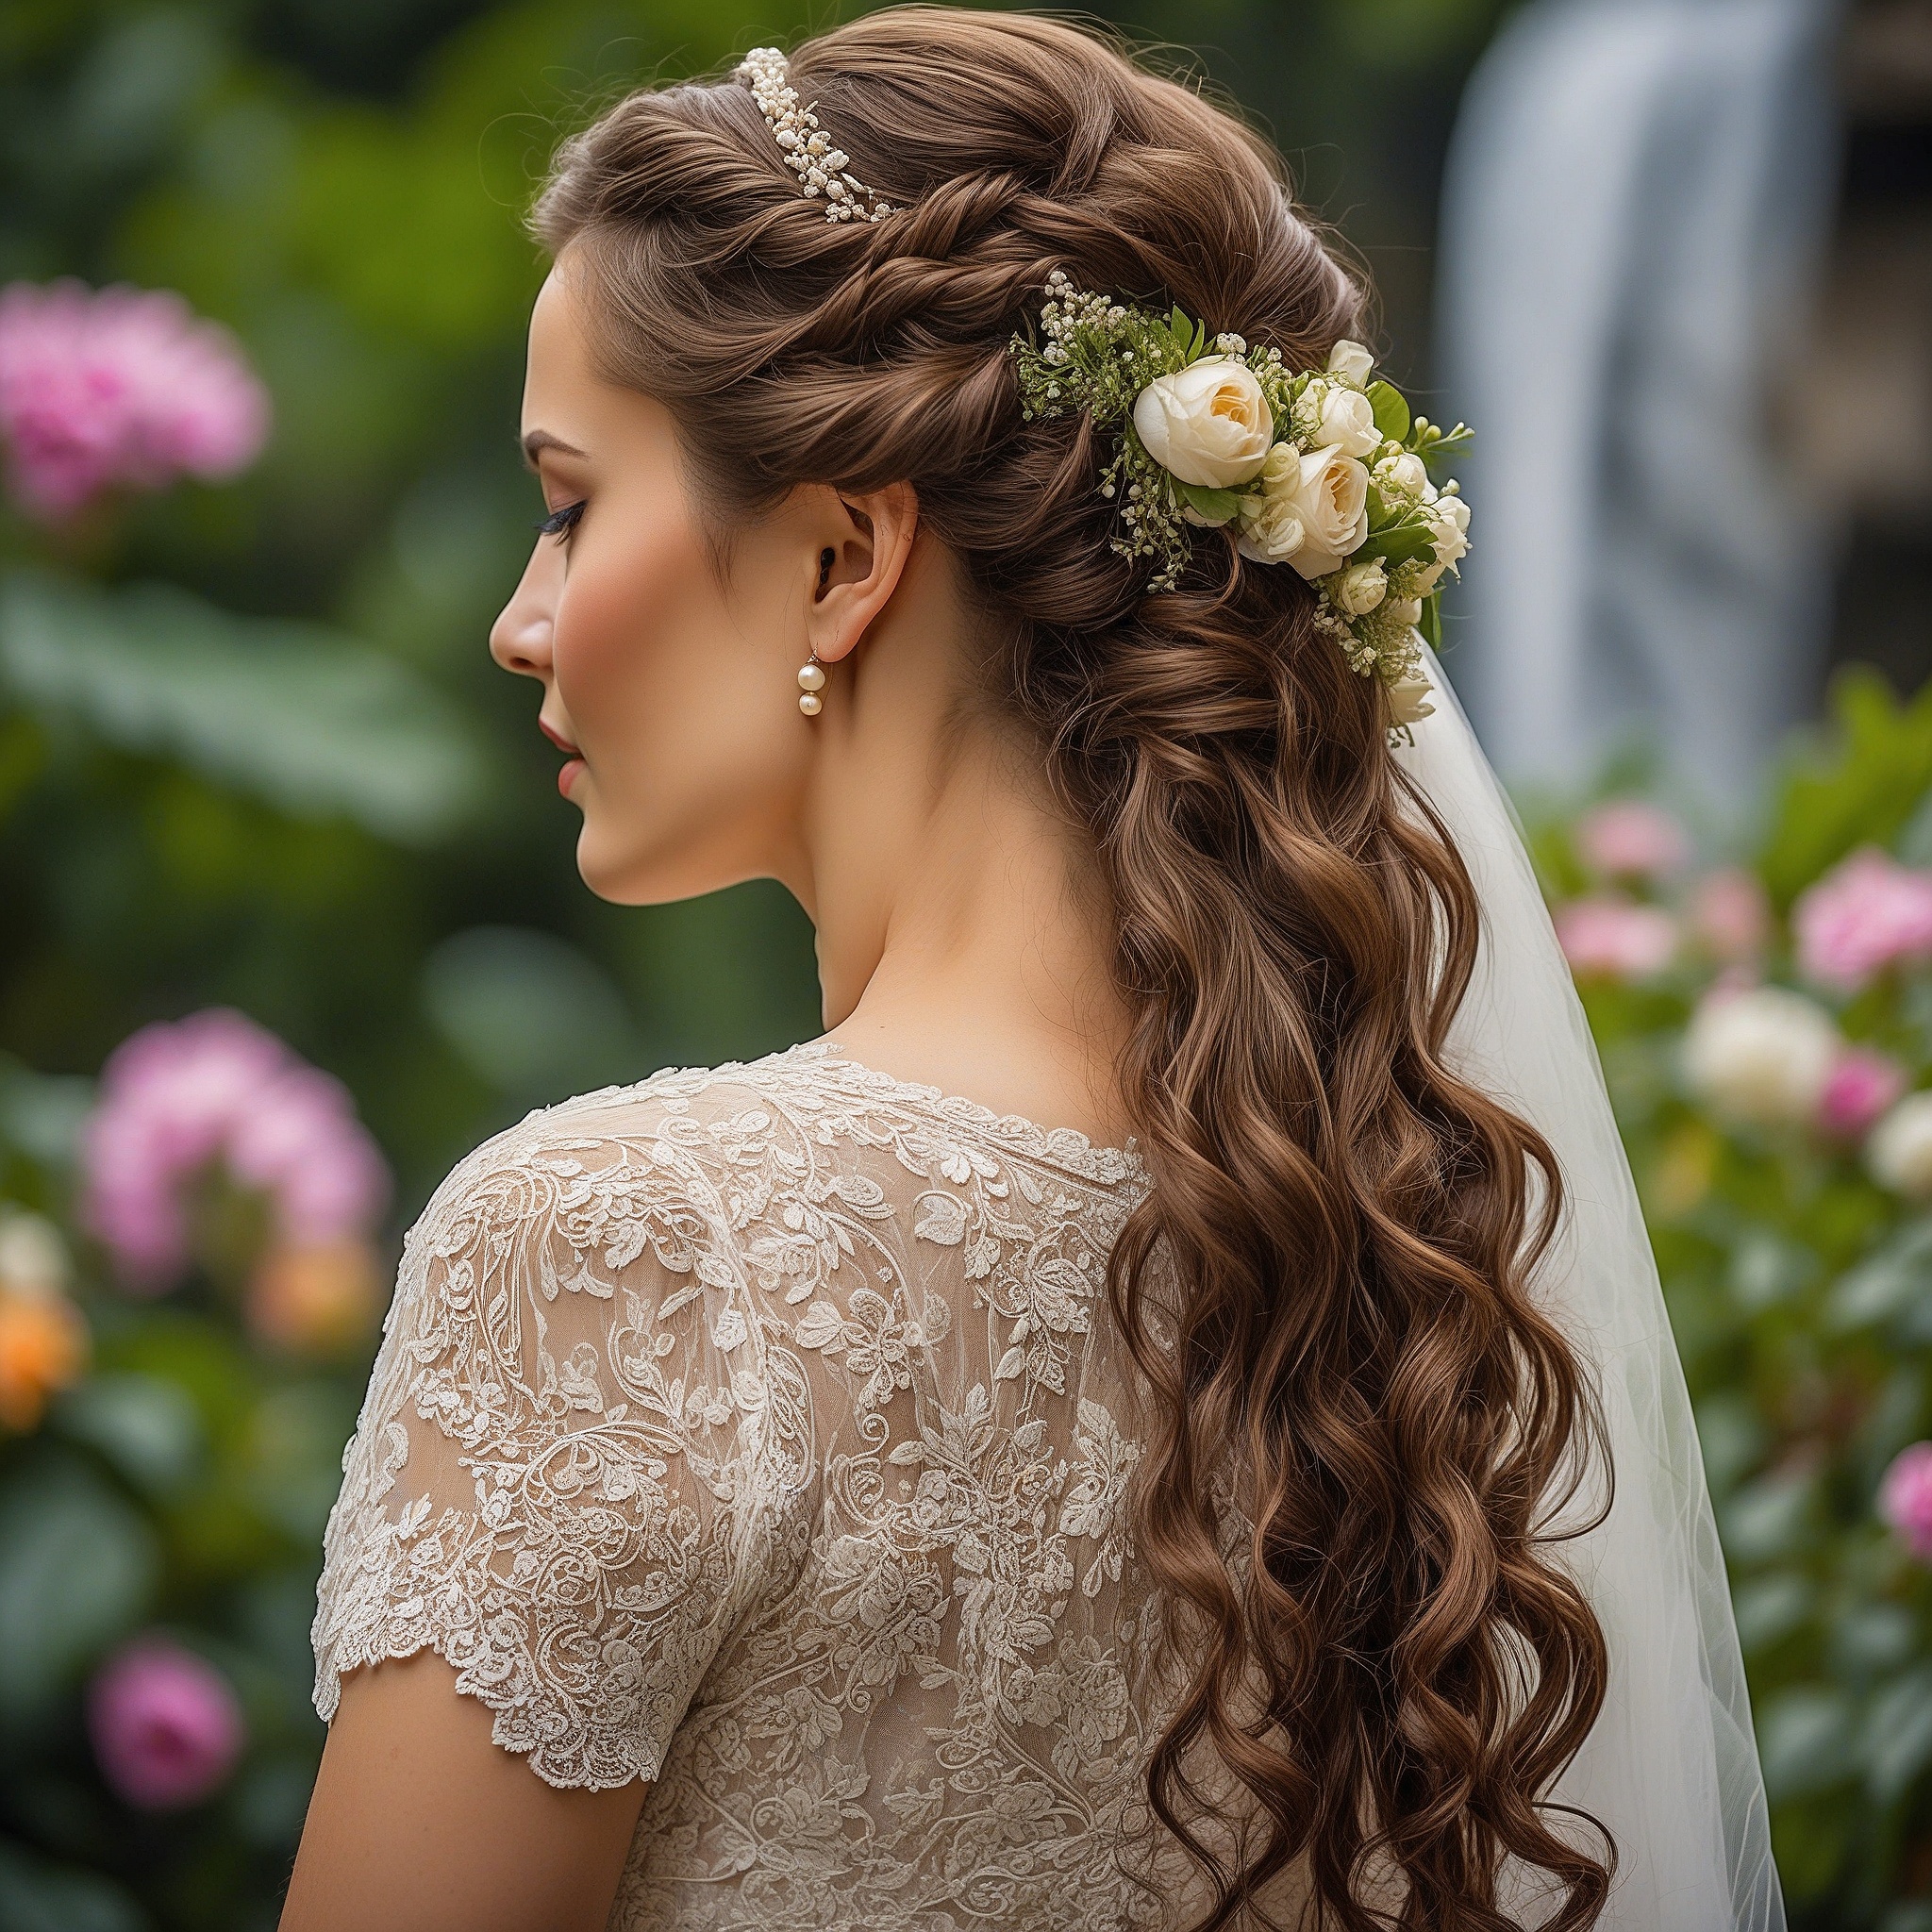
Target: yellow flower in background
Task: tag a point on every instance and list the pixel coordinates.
(43, 1340)
(315, 1300)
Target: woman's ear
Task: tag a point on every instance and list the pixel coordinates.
(861, 559)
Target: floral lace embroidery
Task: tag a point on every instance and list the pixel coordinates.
(759, 1432)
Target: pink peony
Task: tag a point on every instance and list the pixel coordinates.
(1625, 838)
(119, 388)
(1862, 1086)
(1730, 914)
(1904, 1499)
(166, 1726)
(217, 1087)
(1864, 915)
(1613, 939)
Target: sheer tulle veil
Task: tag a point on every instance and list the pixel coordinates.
(1671, 1767)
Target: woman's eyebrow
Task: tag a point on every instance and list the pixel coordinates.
(539, 439)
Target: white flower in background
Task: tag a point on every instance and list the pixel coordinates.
(1347, 423)
(1351, 362)
(1900, 1149)
(1361, 589)
(1325, 493)
(33, 1257)
(1209, 424)
(1763, 1056)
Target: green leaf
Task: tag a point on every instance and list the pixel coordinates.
(1431, 626)
(1887, 1283)
(1897, 1734)
(1858, 784)
(1399, 543)
(1806, 1741)
(298, 715)
(1392, 416)
(35, 1896)
(76, 1568)
(1214, 507)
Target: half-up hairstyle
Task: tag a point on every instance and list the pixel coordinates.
(1326, 1289)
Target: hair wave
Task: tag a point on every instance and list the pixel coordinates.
(1328, 1289)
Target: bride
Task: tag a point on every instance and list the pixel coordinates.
(1121, 1431)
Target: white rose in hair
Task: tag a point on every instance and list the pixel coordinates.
(1272, 530)
(1404, 475)
(1361, 589)
(1449, 522)
(1409, 701)
(1350, 362)
(1404, 611)
(1328, 493)
(1209, 424)
(1348, 423)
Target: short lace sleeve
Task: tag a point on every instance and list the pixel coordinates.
(560, 1481)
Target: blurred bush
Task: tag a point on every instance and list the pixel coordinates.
(1766, 1029)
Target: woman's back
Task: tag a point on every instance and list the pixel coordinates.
(762, 1432)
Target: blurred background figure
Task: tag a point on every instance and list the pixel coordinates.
(1685, 293)
(1634, 218)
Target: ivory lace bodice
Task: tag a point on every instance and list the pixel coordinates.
(759, 1432)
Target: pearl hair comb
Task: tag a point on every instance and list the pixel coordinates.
(805, 147)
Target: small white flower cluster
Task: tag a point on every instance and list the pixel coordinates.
(807, 149)
(1325, 470)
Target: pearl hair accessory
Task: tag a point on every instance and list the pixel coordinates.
(812, 680)
(806, 148)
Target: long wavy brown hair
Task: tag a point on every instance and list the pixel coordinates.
(1326, 1288)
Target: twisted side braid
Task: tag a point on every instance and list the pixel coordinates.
(1325, 1290)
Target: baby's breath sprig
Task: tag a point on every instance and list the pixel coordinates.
(1326, 469)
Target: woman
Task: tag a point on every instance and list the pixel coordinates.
(814, 1492)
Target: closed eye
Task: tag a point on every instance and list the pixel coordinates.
(561, 523)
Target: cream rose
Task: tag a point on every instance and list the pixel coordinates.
(1403, 475)
(1408, 699)
(1350, 362)
(1209, 424)
(1348, 423)
(1271, 529)
(1361, 589)
(1404, 611)
(1762, 1055)
(1449, 524)
(1326, 493)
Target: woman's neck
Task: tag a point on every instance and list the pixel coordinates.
(963, 931)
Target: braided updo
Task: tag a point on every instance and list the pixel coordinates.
(1386, 1664)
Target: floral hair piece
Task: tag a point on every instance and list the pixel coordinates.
(805, 147)
(1326, 469)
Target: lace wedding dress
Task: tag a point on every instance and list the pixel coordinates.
(759, 1432)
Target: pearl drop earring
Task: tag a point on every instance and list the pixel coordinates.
(812, 680)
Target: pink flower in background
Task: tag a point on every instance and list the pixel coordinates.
(1626, 838)
(175, 1098)
(1861, 1087)
(1867, 913)
(1904, 1499)
(1730, 914)
(166, 1726)
(1609, 937)
(119, 388)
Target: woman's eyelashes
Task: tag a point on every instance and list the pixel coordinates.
(561, 523)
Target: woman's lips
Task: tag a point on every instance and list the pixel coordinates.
(574, 758)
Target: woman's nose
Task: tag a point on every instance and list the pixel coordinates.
(520, 638)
